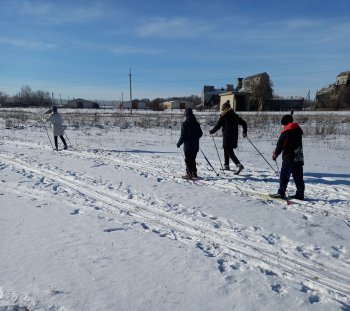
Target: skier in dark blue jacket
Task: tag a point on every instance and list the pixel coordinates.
(290, 144)
(191, 132)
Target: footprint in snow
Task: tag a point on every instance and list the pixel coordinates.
(339, 251)
(144, 226)
(278, 288)
(314, 299)
(113, 229)
(221, 266)
(267, 272)
(75, 212)
(206, 249)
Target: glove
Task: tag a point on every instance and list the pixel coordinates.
(274, 157)
(211, 132)
(178, 145)
(244, 135)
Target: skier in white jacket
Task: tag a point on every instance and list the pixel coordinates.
(57, 127)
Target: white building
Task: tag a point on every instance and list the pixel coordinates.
(176, 104)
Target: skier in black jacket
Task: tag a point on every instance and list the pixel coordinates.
(290, 144)
(190, 133)
(229, 122)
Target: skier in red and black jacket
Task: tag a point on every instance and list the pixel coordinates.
(290, 144)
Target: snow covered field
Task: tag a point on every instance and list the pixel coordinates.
(110, 225)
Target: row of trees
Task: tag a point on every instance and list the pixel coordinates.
(27, 97)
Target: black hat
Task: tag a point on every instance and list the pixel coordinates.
(54, 108)
(286, 119)
(188, 111)
(226, 105)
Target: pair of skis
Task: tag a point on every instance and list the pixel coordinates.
(267, 196)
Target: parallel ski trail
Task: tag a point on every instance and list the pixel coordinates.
(229, 185)
(134, 162)
(334, 278)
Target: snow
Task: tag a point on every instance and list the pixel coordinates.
(110, 225)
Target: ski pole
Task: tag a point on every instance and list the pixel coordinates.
(48, 136)
(68, 139)
(261, 155)
(278, 170)
(217, 174)
(217, 153)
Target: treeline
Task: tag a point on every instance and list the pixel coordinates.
(29, 98)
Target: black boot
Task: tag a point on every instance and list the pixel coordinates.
(240, 168)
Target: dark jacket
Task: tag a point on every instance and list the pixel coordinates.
(291, 144)
(190, 133)
(229, 121)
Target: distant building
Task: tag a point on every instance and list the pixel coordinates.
(251, 93)
(176, 104)
(239, 101)
(82, 103)
(343, 78)
(336, 96)
(135, 105)
(211, 96)
(259, 86)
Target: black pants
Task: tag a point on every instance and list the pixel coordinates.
(190, 159)
(296, 170)
(229, 153)
(56, 142)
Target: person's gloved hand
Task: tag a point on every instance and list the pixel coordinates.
(211, 132)
(274, 157)
(245, 135)
(178, 145)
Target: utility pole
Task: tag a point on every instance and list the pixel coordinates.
(130, 92)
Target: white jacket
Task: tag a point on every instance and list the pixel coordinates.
(57, 124)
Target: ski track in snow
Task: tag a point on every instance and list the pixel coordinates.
(236, 247)
(11, 301)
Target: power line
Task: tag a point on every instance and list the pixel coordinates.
(191, 80)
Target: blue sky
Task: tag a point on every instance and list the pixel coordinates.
(86, 48)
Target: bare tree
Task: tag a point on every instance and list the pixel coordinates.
(24, 96)
(3, 98)
(42, 98)
(33, 98)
